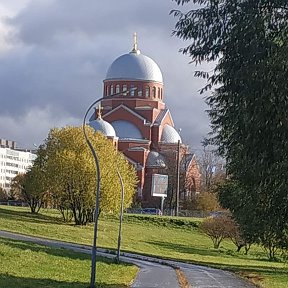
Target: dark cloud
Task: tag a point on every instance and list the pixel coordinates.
(62, 50)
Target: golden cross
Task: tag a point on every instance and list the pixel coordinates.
(99, 112)
(135, 46)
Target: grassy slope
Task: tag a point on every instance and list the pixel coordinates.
(160, 238)
(26, 265)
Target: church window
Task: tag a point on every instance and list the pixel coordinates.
(132, 92)
(147, 91)
(154, 91)
(117, 88)
(107, 90)
(124, 87)
(111, 89)
(140, 91)
(159, 96)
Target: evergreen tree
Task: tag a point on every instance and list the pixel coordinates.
(248, 39)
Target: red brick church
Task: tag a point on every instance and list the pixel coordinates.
(137, 120)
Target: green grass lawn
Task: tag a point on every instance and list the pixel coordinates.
(178, 239)
(26, 265)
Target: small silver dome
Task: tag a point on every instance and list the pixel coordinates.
(126, 130)
(170, 135)
(155, 160)
(103, 126)
(134, 66)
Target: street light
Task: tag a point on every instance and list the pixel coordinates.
(97, 191)
(120, 217)
(178, 175)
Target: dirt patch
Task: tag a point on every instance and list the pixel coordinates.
(252, 277)
(182, 279)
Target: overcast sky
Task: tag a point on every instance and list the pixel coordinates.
(54, 55)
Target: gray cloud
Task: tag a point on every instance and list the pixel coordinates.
(62, 50)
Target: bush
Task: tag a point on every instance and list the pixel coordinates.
(217, 229)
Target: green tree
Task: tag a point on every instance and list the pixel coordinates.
(16, 186)
(3, 195)
(31, 186)
(248, 108)
(70, 170)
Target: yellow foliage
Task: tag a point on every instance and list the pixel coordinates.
(72, 174)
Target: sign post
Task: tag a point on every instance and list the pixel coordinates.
(159, 187)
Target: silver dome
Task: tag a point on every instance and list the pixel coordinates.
(155, 160)
(170, 135)
(126, 130)
(103, 126)
(134, 66)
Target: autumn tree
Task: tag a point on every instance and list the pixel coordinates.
(71, 173)
(248, 43)
(206, 201)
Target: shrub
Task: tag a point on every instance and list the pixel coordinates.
(216, 229)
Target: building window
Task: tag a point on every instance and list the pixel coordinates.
(117, 88)
(111, 89)
(139, 91)
(124, 87)
(132, 92)
(147, 91)
(159, 96)
(107, 90)
(154, 91)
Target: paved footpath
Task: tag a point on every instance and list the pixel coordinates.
(154, 273)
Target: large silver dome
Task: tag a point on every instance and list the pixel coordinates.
(103, 126)
(134, 66)
(170, 135)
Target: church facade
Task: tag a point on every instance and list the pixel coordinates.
(134, 116)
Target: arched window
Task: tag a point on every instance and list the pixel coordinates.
(147, 91)
(117, 88)
(132, 92)
(159, 96)
(154, 91)
(139, 91)
(111, 89)
(124, 87)
(107, 90)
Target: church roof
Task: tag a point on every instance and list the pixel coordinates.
(170, 135)
(134, 66)
(126, 130)
(103, 126)
(155, 160)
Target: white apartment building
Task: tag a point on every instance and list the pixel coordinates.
(12, 162)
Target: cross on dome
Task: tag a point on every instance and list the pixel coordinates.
(135, 44)
(99, 112)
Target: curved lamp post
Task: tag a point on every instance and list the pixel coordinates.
(178, 175)
(120, 217)
(97, 191)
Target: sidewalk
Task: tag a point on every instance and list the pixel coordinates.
(153, 272)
